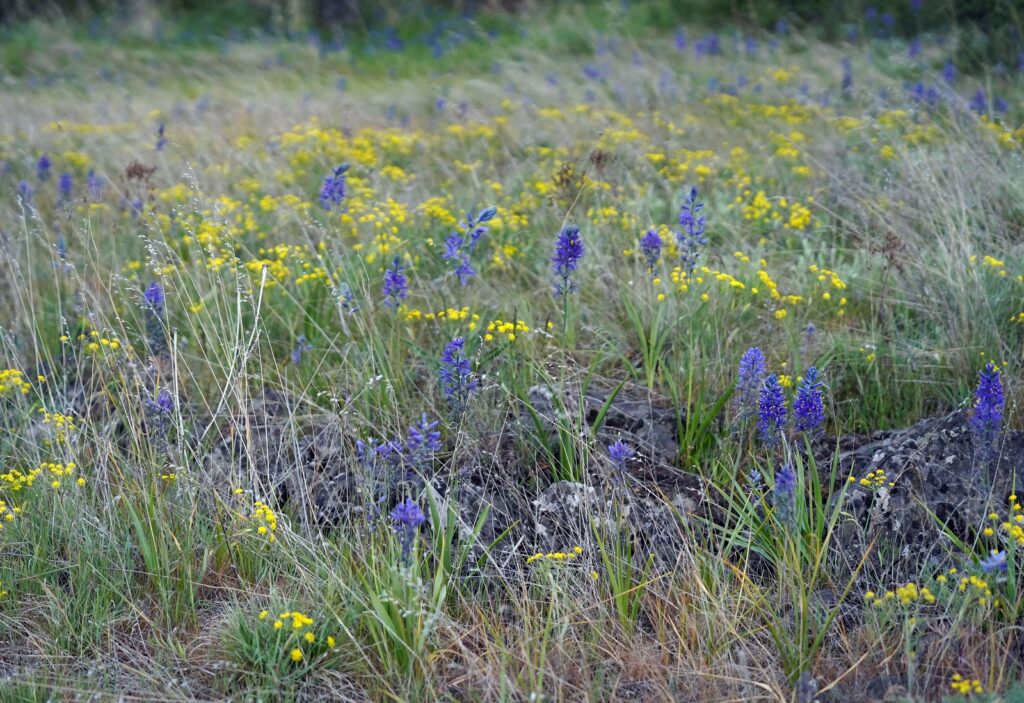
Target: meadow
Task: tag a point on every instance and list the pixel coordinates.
(554, 356)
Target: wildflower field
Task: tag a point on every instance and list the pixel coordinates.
(559, 354)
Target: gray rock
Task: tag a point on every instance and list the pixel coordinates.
(939, 481)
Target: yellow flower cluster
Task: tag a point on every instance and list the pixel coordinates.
(300, 633)
(759, 209)
(57, 471)
(455, 314)
(15, 480)
(509, 330)
(965, 686)
(976, 588)
(907, 594)
(872, 480)
(63, 425)
(992, 263)
(555, 556)
(7, 513)
(13, 381)
(1012, 526)
(94, 342)
(266, 518)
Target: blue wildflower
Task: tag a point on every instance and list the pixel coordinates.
(650, 245)
(25, 192)
(332, 191)
(43, 167)
(749, 378)
(808, 408)
(406, 519)
(423, 439)
(987, 420)
(460, 259)
(459, 246)
(347, 298)
(568, 252)
(620, 453)
(771, 411)
(65, 185)
(95, 185)
(474, 226)
(161, 140)
(784, 495)
(164, 401)
(154, 296)
(456, 373)
(994, 562)
(979, 102)
(691, 240)
(396, 284)
(949, 71)
(301, 345)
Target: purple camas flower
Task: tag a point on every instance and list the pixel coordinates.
(25, 191)
(332, 192)
(65, 185)
(423, 440)
(43, 167)
(474, 227)
(164, 401)
(568, 252)
(749, 378)
(301, 345)
(396, 284)
(458, 246)
(979, 103)
(680, 39)
(995, 562)
(650, 245)
(784, 495)
(161, 140)
(154, 296)
(808, 408)
(691, 240)
(406, 518)
(771, 411)
(949, 71)
(456, 374)
(95, 185)
(987, 420)
(460, 259)
(620, 453)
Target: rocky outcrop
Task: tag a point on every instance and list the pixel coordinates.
(937, 481)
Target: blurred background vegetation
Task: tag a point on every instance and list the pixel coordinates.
(983, 32)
